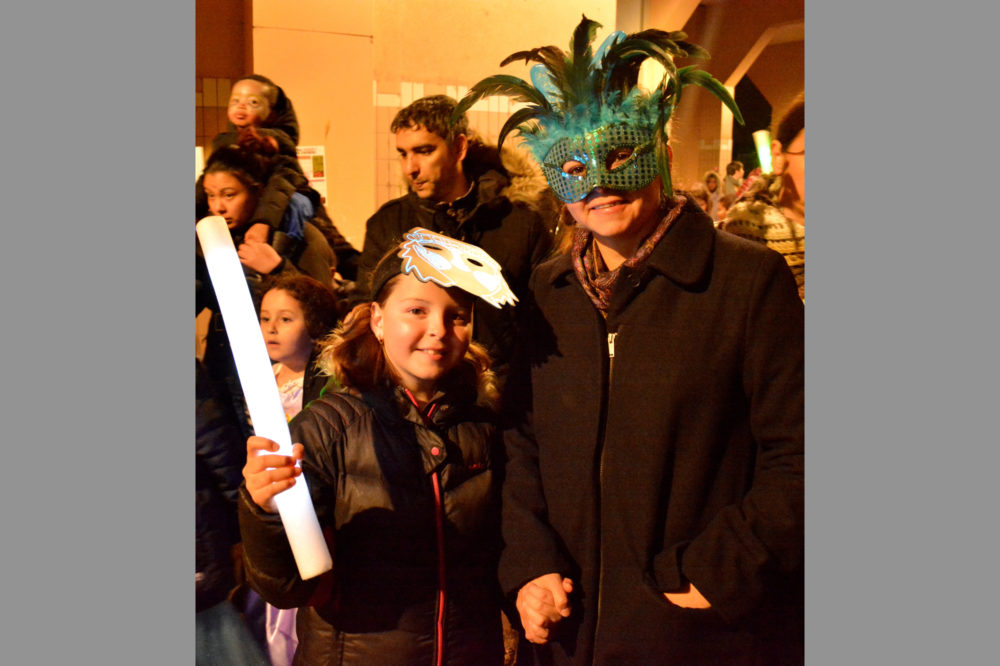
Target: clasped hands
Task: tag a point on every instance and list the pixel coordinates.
(544, 602)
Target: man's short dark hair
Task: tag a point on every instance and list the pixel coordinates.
(733, 167)
(433, 113)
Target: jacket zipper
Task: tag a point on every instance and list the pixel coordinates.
(442, 597)
(600, 488)
(442, 600)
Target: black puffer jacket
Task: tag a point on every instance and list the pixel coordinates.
(387, 484)
(218, 472)
(511, 232)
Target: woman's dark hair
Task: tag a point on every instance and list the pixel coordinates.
(791, 122)
(249, 160)
(319, 305)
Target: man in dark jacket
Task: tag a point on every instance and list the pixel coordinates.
(457, 188)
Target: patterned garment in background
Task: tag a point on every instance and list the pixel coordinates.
(291, 393)
(763, 223)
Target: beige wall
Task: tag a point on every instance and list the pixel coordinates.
(382, 54)
(320, 53)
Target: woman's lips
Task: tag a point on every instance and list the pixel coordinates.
(602, 205)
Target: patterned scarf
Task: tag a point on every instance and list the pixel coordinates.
(593, 273)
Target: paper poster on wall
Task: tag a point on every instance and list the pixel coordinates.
(199, 162)
(313, 161)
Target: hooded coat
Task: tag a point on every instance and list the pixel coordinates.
(665, 448)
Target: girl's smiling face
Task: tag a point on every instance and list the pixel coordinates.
(425, 331)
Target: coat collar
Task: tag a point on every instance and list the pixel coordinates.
(684, 254)
(485, 191)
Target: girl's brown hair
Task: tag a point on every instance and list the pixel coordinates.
(354, 356)
(319, 305)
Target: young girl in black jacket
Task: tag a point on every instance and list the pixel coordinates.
(403, 469)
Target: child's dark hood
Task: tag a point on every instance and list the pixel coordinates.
(283, 117)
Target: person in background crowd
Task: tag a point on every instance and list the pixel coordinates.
(734, 178)
(711, 182)
(773, 209)
(233, 180)
(222, 638)
(295, 314)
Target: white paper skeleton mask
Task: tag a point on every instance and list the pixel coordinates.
(451, 263)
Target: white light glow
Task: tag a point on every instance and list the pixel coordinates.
(261, 391)
(762, 140)
(651, 73)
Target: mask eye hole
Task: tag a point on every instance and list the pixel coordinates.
(433, 248)
(574, 168)
(618, 157)
(475, 262)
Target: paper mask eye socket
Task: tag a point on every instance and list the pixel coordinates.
(435, 256)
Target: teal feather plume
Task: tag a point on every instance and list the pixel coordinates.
(501, 84)
(575, 92)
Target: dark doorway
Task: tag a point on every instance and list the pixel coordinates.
(756, 112)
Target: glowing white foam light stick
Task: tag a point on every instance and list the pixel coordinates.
(261, 391)
(762, 140)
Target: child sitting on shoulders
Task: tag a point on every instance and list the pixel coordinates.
(260, 107)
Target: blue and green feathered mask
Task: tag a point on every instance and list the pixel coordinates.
(587, 122)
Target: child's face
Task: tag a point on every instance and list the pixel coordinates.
(228, 197)
(284, 327)
(248, 104)
(425, 331)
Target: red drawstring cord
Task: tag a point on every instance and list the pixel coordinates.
(439, 525)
